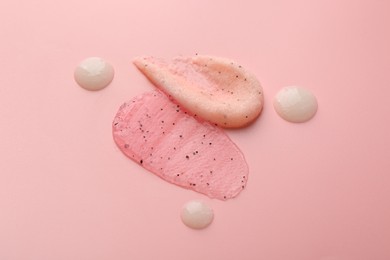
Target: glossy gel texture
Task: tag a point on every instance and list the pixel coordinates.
(196, 214)
(295, 104)
(94, 73)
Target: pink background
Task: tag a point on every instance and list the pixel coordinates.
(318, 190)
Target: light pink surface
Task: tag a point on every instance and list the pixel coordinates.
(318, 190)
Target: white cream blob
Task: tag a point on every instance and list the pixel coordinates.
(196, 214)
(94, 73)
(295, 104)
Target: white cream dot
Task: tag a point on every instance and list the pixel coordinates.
(94, 73)
(196, 214)
(295, 104)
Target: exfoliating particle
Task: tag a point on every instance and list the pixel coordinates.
(216, 89)
(180, 148)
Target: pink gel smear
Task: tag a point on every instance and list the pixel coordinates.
(216, 89)
(179, 148)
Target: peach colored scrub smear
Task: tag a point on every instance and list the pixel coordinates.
(94, 73)
(216, 89)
